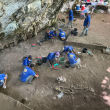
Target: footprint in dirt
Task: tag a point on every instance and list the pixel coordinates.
(106, 89)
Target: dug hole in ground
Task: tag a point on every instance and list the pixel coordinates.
(41, 94)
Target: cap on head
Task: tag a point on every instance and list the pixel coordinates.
(60, 30)
(57, 54)
(32, 65)
(48, 31)
(30, 57)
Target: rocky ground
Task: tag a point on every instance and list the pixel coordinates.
(41, 94)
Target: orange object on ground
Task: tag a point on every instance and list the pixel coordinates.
(54, 68)
(33, 44)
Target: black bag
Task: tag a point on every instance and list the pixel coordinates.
(44, 59)
(75, 29)
(72, 32)
(76, 33)
(24, 58)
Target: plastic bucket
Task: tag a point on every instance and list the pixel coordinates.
(39, 61)
(75, 29)
(78, 7)
(67, 64)
(44, 59)
(83, 7)
(76, 33)
(61, 61)
(84, 50)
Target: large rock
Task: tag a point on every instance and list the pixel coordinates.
(21, 19)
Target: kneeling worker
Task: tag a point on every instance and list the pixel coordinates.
(51, 57)
(27, 61)
(73, 61)
(62, 35)
(3, 79)
(28, 74)
(67, 49)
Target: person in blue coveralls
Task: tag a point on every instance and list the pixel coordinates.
(49, 35)
(51, 57)
(27, 61)
(28, 74)
(62, 35)
(71, 17)
(66, 49)
(3, 79)
(73, 61)
(86, 24)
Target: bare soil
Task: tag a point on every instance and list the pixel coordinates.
(41, 94)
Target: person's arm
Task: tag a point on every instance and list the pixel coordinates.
(88, 21)
(74, 51)
(55, 35)
(36, 76)
(5, 81)
(87, 25)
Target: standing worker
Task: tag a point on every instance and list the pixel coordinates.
(86, 24)
(28, 74)
(71, 17)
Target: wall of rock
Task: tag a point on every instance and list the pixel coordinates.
(22, 19)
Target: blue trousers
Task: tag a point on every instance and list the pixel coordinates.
(70, 21)
(85, 31)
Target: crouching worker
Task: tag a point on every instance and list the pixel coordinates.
(62, 35)
(28, 74)
(73, 61)
(49, 35)
(27, 61)
(66, 49)
(3, 79)
(51, 58)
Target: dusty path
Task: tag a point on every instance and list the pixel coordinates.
(41, 94)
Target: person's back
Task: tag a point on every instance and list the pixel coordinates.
(2, 76)
(70, 48)
(72, 60)
(25, 62)
(62, 34)
(26, 73)
(87, 20)
(66, 48)
(51, 56)
(71, 55)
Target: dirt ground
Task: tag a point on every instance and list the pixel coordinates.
(41, 94)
